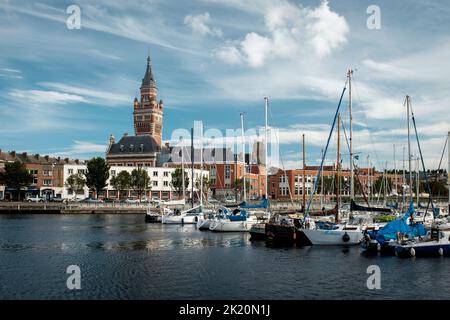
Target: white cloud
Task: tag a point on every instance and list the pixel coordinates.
(293, 32)
(93, 96)
(230, 55)
(45, 97)
(199, 24)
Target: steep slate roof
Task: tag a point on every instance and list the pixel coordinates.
(25, 157)
(148, 80)
(134, 145)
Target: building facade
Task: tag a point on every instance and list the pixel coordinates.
(160, 183)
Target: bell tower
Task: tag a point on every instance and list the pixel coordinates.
(148, 113)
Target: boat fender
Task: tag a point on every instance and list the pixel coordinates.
(346, 238)
(412, 252)
(196, 219)
(378, 247)
(182, 220)
(441, 252)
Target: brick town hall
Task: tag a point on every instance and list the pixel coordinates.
(142, 149)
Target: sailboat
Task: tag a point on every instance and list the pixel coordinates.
(437, 241)
(337, 234)
(386, 239)
(189, 216)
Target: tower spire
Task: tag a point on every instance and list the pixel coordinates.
(148, 77)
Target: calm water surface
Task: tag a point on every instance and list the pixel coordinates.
(121, 257)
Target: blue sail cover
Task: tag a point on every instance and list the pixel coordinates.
(263, 205)
(389, 232)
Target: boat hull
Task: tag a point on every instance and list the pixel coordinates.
(153, 218)
(333, 237)
(231, 226)
(203, 224)
(179, 219)
(286, 235)
(423, 250)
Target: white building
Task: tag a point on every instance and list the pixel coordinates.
(160, 179)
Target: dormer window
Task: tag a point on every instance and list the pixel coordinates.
(131, 147)
(141, 147)
(121, 148)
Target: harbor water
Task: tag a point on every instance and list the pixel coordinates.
(122, 257)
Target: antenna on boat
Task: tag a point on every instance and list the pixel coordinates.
(243, 155)
(407, 102)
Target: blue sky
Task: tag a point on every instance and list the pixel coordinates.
(63, 92)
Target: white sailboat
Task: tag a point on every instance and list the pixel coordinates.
(338, 234)
(237, 221)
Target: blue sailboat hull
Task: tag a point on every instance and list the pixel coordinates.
(432, 250)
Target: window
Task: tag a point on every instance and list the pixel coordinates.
(213, 170)
(166, 183)
(120, 164)
(155, 183)
(35, 181)
(47, 182)
(155, 173)
(227, 172)
(129, 164)
(70, 171)
(81, 171)
(227, 186)
(33, 171)
(113, 173)
(147, 164)
(140, 164)
(70, 192)
(166, 173)
(213, 181)
(48, 173)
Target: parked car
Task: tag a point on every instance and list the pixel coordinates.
(144, 200)
(157, 201)
(55, 199)
(92, 200)
(108, 200)
(230, 200)
(131, 201)
(213, 201)
(35, 198)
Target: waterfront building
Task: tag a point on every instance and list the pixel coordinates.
(160, 183)
(47, 173)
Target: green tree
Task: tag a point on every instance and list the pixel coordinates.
(140, 181)
(75, 183)
(97, 174)
(16, 176)
(121, 182)
(177, 181)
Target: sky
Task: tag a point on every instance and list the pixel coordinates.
(64, 91)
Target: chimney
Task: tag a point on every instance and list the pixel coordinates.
(77, 161)
(46, 158)
(13, 153)
(24, 154)
(66, 160)
(125, 134)
(59, 159)
(36, 156)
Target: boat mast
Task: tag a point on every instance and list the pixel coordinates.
(304, 168)
(352, 174)
(409, 152)
(404, 179)
(192, 168)
(448, 170)
(182, 169)
(243, 155)
(418, 181)
(201, 165)
(395, 177)
(266, 107)
(321, 186)
(338, 190)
